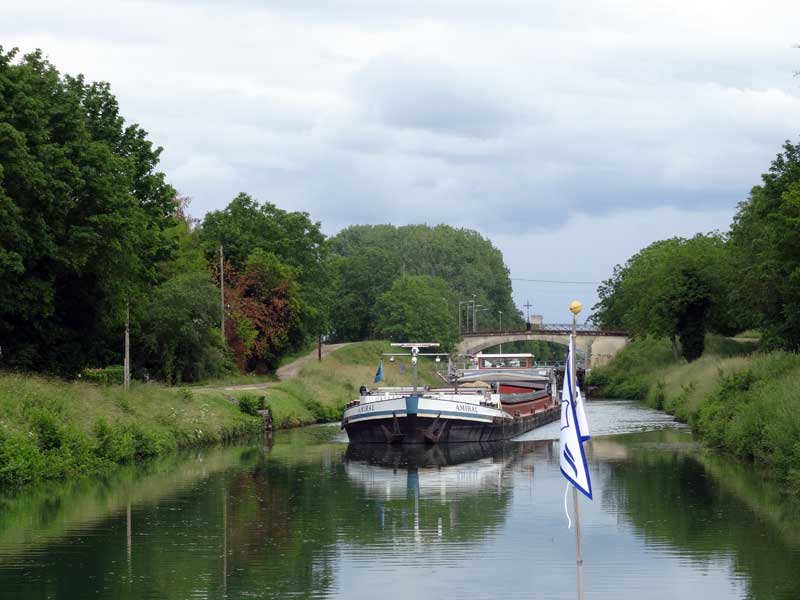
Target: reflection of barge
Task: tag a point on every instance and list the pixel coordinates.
(450, 470)
(502, 398)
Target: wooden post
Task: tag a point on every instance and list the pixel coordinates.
(126, 369)
(319, 347)
(222, 293)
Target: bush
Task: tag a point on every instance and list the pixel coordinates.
(20, 459)
(49, 432)
(112, 375)
(250, 405)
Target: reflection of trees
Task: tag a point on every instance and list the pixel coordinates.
(287, 519)
(42, 513)
(704, 508)
(271, 521)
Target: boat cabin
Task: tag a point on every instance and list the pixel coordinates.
(504, 361)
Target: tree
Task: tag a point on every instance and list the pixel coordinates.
(245, 226)
(264, 319)
(678, 288)
(765, 237)
(83, 213)
(462, 257)
(180, 336)
(416, 309)
(359, 280)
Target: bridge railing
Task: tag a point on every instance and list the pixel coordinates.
(552, 328)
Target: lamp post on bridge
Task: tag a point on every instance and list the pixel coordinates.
(480, 310)
(460, 330)
(475, 308)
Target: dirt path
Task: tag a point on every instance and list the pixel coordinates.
(289, 371)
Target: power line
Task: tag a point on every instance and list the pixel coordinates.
(553, 281)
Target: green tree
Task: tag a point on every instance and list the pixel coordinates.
(359, 280)
(462, 257)
(417, 309)
(180, 335)
(83, 213)
(677, 288)
(765, 236)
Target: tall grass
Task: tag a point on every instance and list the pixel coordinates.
(55, 429)
(747, 405)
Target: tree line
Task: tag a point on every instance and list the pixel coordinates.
(746, 278)
(92, 235)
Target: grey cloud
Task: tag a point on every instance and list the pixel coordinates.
(432, 97)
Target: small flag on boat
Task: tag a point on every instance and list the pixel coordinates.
(574, 431)
(379, 372)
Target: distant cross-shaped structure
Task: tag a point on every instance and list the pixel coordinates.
(528, 306)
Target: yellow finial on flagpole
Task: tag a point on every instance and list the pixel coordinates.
(575, 307)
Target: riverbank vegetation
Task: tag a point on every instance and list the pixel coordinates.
(670, 295)
(742, 402)
(320, 391)
(51, 429)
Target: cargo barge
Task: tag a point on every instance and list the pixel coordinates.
(502, 398)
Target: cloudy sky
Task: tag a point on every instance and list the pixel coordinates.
(570, 133)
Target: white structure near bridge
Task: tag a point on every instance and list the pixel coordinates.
(599, 346)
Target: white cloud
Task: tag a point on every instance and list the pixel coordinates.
(505, 116)
(585, 249)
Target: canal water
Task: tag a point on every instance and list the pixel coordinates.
(308, 517)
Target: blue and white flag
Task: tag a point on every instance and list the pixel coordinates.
(379, 372)
(574, 430)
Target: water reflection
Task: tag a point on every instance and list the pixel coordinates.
(310, 517)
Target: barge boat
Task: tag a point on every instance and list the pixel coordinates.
(486, 404)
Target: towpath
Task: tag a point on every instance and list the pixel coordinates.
(287, 371)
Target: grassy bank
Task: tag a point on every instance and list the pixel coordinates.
(743, 403)
(54, 429)
(322, 389)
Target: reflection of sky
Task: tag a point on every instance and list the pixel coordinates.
(611, 418)
(532, 553)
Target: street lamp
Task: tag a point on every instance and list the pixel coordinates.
(475, 308)
(479, 310)
(459, 314)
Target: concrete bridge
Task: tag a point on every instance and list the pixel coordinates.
(600, 346)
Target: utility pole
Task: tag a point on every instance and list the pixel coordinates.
(528, 307)
(501, 328)
(473, 313)
(126, 369)
(222, 293)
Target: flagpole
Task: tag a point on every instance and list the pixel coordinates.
(575, 307)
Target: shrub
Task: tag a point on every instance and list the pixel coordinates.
(250, 405)
(112, 375)
(20, 459)
(49, 432)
